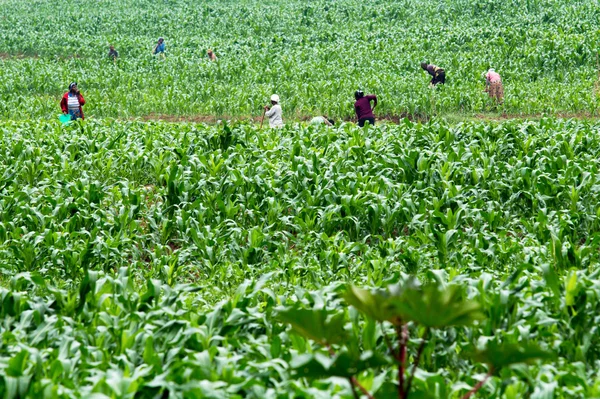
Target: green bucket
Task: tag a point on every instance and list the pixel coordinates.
(65, 119)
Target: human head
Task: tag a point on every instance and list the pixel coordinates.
(209, 51)
(73, 87)
(424, 65)
(274, 99)
(491, 70)
(359, 94)
(112, 47)
(160, 40)
(331, 121)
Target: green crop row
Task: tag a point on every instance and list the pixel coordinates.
(314, 55)
(146, 258)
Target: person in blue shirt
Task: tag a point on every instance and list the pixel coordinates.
(160, 46)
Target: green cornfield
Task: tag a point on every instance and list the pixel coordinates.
(450, 251)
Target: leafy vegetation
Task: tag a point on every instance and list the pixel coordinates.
(417, 260)
(314, 55)
(410, 260)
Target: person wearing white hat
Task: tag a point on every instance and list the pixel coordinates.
(274, 113)
(493, 84)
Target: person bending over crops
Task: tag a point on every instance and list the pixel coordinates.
(112, 53)
(322, 120)
(493, 85)
(160, 46)
(437, 73)
(362, 106)
(211, 55)
(72, 102)
(274, 113)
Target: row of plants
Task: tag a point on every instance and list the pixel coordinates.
(313, 55)
(411, 260)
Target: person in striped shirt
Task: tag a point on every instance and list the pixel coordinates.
(72, 102)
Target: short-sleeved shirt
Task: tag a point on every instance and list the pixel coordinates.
(493, 77)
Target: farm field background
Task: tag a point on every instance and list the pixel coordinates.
(314, 54)
(147, 259)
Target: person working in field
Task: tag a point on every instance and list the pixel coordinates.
(160, 46)
(112, 53)
(275, 112)
(322, 120)
(72, 102)
(493, 85)
(362, 106)
(211, 55)
(438, 75)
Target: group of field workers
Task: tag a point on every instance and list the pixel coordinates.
(72, 101)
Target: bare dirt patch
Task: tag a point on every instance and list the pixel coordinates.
(19, 56)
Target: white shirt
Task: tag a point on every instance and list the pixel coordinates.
(274, 114)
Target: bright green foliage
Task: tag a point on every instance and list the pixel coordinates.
(139, 258)
(313, 54)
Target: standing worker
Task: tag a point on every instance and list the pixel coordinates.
(112, 53)
(362, 106)
(211, 55)
(160, 46)
(437, 73)
(72, 102)
(493, 85)
(274, 113)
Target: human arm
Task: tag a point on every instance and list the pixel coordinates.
(269, 112)
(373, 97)
(81, 99)
(64, 106)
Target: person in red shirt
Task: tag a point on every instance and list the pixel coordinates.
(72, 102)
(362, 106)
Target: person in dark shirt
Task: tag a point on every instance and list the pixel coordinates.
(362, 106)
(112, 53)
(437, 73)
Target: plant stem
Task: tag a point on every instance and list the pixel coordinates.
(388, 342)
(479, 385)
(417, 359)
(352, 387)
(402, 334)
(353, 381)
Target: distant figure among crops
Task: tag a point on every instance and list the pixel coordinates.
(362, 106)
(211, 55)
(437, 73)
(322, 120)
(275, 112)
(112, 53)
(72, 102)
(160, 46)
(493, 85)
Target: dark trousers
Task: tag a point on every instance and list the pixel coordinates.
(439, 78)
(361, 122)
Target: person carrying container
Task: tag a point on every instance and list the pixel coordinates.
(72, 102)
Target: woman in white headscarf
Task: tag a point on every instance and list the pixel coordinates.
(274, 113)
